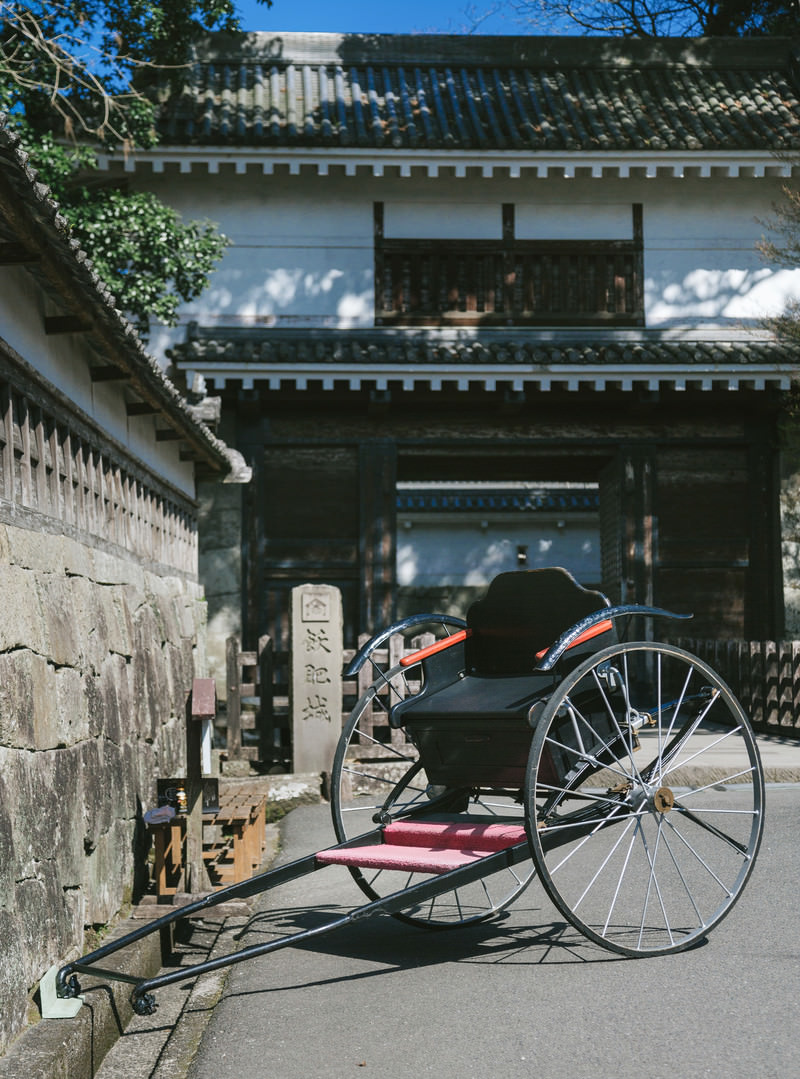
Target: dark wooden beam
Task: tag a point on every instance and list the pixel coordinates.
(141, 408)
(169, 435)
(108, 373)
(15, 254)
(54, 324)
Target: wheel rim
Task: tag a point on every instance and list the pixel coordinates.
(644, 799)
(376, 773)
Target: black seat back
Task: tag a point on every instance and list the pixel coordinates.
(523, 613)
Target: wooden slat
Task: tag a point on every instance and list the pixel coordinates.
(428, 282)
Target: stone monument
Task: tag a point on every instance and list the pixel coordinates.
(315, 692)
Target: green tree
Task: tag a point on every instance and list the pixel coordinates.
(75, 76)
(663, 18)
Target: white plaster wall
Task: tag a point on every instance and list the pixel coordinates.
(302, 246)
(62, 359)
(410, 219)
(701, 262)
(447, 551)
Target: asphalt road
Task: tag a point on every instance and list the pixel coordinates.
(520, 996)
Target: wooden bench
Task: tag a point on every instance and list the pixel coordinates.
(234, 838)
(237, 854)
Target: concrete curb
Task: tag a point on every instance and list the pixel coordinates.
(74, 1048)
(164, 1045)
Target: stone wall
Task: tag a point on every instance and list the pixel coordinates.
(97, 654)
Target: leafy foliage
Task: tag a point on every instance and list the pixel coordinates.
(664, 18)
(783, 249)
(139, 245)
(74, 75)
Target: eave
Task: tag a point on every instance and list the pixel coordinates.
(512, 376)
(633, 164)
(444, 361)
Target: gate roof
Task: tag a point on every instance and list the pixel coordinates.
(441, 92)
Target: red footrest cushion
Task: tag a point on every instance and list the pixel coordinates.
(407, 859)
(454, 835)
(427, 846)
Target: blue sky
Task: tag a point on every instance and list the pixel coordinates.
(367, 16)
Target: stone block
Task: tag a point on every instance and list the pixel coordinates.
(150, 682)
(89, 616)
(95, 815)
(64, 643)
(19, 698)
(179, 671)
(14, 984)
(27, 629)
(290, 791)
(111, 569)
(115, 703)
(8, 855)
(54, 788)
(191, 614)
(72, 715)
(36, 551)
(42, 921)
(77, 560)
(109, 872)
(118, 622)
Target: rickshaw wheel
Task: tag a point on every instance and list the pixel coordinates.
(644, 798)
(377, 778)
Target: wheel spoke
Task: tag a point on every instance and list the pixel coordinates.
(653, 883)
(603, 864)
(639, 863)
(702, 861)
(679, 871)
(734, 843)
(622, 872)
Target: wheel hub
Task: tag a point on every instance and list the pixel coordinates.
(656, 799)
(663, 800)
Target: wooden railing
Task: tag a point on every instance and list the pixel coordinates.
(509, 281)
(254, 706)
(55, 465)
(764, 675)
(565, 282)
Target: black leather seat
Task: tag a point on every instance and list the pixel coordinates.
(470, 719)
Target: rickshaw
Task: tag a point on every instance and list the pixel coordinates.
(531, 738)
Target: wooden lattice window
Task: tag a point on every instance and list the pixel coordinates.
(509, 282)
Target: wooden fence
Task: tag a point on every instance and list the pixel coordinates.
(764, 675)
(256, 725)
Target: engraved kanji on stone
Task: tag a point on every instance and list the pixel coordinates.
(317, 639)
(317, 675)
(316, 707)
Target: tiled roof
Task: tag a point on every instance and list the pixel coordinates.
(384, 358)
(498, 499)
(439, 92)
(29, 215)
